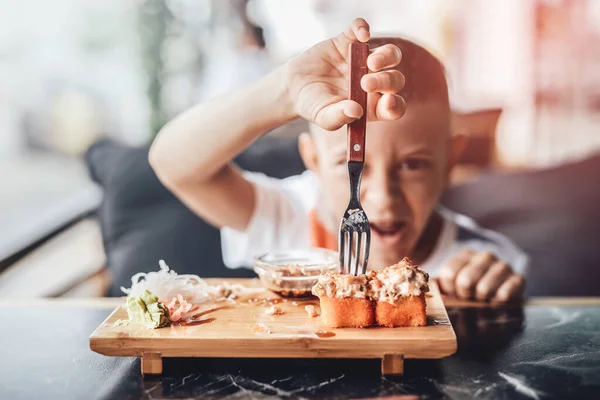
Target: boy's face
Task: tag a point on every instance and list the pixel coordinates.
(407, 163)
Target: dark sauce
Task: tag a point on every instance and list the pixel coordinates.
(324, 334)
(195, 322)
(209, 311)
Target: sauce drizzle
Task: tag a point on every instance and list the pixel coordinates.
(196, 316)
(195, 322)
(324, 334)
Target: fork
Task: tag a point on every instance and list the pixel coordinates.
(355, 221)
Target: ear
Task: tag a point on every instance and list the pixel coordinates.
(458, 143)
(308, 151)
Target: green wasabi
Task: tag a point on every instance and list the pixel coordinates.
(147, 311)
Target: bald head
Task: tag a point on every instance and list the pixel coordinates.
(423, 72)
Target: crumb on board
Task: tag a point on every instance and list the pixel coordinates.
(120, 322)
(295, 303)
(274, 310)
(261, 328)
(311, 310)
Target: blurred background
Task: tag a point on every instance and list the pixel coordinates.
(85, 85)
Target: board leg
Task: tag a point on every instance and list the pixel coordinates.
(152, 364)
(392, 364)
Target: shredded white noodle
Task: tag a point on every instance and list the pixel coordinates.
(167, 284)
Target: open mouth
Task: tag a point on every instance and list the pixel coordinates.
(388, 232)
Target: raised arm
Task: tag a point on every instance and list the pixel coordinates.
(192, 154)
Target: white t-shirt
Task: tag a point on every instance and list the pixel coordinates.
(280, 221)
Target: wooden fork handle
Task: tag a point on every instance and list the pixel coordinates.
(357, 55)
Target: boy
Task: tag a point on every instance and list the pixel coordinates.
(409, 155)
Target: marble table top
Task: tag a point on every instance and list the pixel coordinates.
(549, 348)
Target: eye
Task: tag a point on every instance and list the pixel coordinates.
(339, 161)
(415, 164)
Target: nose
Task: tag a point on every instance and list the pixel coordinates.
(381, 193)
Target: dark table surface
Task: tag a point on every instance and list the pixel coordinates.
(550, 348)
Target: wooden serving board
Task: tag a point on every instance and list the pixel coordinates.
(236, 332)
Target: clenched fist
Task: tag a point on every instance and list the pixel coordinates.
(480, 276)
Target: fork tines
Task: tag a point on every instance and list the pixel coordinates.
(355, 232)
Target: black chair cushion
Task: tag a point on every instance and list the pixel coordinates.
(142, 222)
